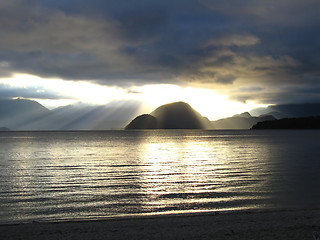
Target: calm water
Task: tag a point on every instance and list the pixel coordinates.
(88, 175)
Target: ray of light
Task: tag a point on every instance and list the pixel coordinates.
(207, 102)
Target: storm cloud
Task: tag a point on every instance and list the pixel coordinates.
(249, 50)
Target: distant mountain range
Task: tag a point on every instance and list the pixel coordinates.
(87, 117)
(240, 121)
(181, 115)
(4, 129)
(21, 114)
(296, 110)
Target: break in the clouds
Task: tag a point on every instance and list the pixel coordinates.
(249, 50)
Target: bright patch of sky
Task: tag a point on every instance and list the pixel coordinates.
(207, 102)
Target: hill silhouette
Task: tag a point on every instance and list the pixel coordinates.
(22, 114)
(290, 123)
(4, 129)
(177, 115)
(144, 121)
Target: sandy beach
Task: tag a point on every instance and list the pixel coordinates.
(295, 224)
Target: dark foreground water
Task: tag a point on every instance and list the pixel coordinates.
(50, 176)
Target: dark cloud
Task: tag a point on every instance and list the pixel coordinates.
(226, 45)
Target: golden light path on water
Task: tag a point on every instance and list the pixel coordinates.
(57, 92)
(194, 167)
(87, 175)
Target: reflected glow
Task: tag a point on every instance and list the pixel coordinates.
(76, 175)
(184, 170)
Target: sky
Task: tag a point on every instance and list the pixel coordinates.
(222, 57)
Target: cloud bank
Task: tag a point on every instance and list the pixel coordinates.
(249, 50)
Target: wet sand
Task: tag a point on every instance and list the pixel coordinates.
(294, 224)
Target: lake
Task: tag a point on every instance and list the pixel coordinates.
(53, 176)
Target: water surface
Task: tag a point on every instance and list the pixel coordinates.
(87, 175)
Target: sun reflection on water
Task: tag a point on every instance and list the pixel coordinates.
(94, 174)
(182, 171)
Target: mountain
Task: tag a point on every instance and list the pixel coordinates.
(82, 116)
(243, 115)
(4, 129)
(295, 110)
(180, 115)
(277, 115)
(298, 110)
(290, 123)
(22, 114)
(240, 121)
(177, 115)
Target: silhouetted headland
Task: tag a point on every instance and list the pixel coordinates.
(4, 129)
(177, 115)
(290, 123)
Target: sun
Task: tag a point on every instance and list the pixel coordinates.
(59, 92)
(207, 102)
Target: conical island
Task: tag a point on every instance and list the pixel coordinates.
(177, 115)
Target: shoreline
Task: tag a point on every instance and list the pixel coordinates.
(149, 216)
(252, 224)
